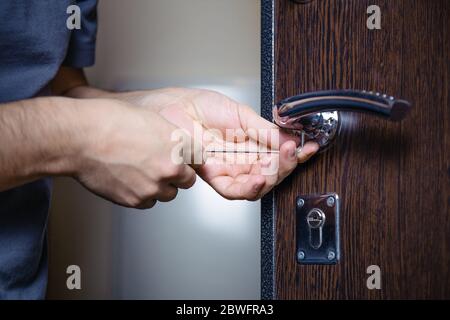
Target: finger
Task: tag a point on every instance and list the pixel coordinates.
(258, 128)
(280, 166)
(244, 187)
(309, 149)
(250, 119)
(187, 178)
(288, 160)
(147, 204)
(167, 193)
(289, 136)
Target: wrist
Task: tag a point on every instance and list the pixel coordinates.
(64, 134)
(92, 124)
(72, 133)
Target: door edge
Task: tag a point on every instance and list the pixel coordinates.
(267, 102)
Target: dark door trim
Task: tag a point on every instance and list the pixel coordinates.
(267, 101)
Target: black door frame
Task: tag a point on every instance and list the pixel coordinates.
(267, 101)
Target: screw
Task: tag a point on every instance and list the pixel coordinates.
(300, 203)
(330, 201)
(300, 255)
(331, 255)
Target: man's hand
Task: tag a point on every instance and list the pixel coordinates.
(128, 157)
(116, 150)
(187, 108)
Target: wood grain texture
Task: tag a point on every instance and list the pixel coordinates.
(393, 179)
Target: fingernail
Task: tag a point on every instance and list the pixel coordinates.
(293, 153)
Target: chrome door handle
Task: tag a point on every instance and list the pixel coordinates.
(315, 115)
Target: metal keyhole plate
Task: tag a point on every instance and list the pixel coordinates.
(317, 228)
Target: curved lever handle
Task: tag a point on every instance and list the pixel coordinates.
(315, 114)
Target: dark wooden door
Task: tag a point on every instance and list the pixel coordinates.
(393, 179)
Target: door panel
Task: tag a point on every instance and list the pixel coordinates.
(393, 179)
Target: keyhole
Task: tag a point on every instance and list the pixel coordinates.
(315, 220)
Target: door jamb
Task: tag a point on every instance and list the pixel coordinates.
(267, 101)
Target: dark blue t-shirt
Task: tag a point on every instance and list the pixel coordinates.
(34, 42)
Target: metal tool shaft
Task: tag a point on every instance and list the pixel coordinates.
(243, 152)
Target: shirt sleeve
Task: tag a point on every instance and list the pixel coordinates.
(81, 50)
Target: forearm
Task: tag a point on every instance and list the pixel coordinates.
(38, 138)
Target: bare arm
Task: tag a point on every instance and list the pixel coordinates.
(38, 137)
(115, 150)
(41, 137)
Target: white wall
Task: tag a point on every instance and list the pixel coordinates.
(200, 245)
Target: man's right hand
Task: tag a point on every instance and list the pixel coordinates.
(114, 149)
(127, 156)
